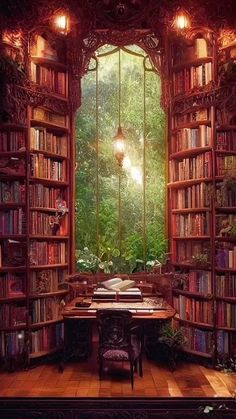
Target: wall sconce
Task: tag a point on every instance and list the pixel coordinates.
(181, 20)
(61, 23)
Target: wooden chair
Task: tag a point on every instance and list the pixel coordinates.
(119, 340)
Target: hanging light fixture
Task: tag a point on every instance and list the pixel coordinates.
(119, 138)
(181, 20)
(61, 23)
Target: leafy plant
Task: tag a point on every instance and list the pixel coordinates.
(226, 364)
(87, 261)
(172, 337)
(201, 259)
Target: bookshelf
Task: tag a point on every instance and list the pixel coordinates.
(202, 193)
(34, 216)
(191, 173)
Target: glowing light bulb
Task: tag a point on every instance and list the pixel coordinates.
(61, 23)
(182, 21)
(119, 145)
(126, 163)
(136, 175)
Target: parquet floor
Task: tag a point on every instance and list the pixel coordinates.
(80, 379)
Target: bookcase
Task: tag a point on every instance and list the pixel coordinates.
(34, 213)
(202, 162)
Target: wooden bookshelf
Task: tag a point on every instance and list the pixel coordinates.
(34, 210)
(214, 281)
(191, 174)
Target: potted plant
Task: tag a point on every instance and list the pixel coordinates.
(172, 339)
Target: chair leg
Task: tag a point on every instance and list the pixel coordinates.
(140, 366)
(100, 368)
(135, 365)
(132, 374)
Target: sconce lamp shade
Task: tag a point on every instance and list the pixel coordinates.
(61, 23)
(182, 20)
(119, 146)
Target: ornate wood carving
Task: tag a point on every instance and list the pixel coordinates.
(224, 96)
(144, 408)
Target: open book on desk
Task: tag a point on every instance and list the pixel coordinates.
(118, 284)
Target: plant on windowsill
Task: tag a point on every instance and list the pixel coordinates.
(172, 340)
(87, 261)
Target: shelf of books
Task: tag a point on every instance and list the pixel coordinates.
(225, 234)
(202, 196)
(49, 226)
(191, 170)
(13, 278)
(34, 217)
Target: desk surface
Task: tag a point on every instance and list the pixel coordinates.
(149, 308)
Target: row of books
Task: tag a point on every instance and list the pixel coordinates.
(11, 343)
(12, 315)
(225, 164)
(12, 222)
(222, 342)
(192, 77)
(45, 309)
(12, 141)
(44, 196)
(194, 310)
(47, 168)
(48, 224)
(183, 251)
(47, 280)
(41, 139)
(12, 192)
(226, 257)
(199, 282)
(191, 168)
(198, 340)
(185, 225)
(12, 285)
(188, 138)
(47, 338)
(44, 253)
(50, 78)
(50, 117)
(179, 119)
(226, 140)
(195, 196)
(226, 285)
(225, 198)
(226, 315)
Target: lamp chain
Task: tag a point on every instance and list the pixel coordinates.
(119, 97)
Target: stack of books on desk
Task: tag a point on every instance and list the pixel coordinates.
(116, 289)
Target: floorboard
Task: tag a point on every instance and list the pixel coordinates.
(80, 379)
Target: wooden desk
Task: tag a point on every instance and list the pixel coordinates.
(78, 325)
(139, 310)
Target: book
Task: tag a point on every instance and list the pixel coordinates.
(118, 284)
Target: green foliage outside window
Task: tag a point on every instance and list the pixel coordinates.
(132, 206)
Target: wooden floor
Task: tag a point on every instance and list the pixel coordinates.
(80, 379)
